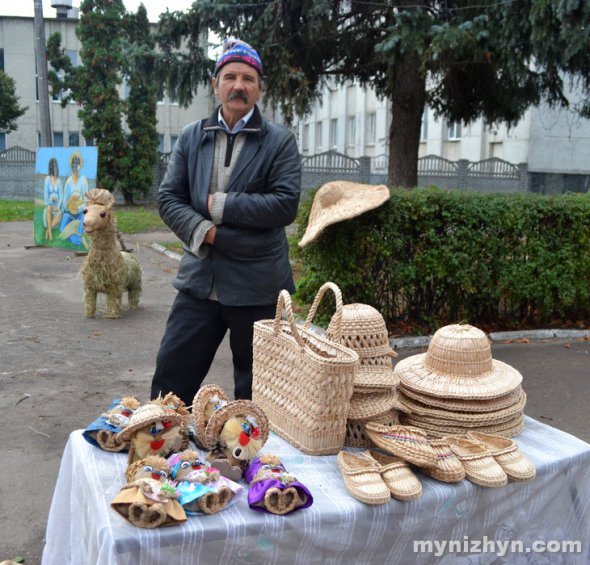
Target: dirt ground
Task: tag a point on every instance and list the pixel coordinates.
(60, 370)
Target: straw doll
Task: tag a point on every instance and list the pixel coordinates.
(201, 487)
(103, 432)
(175, 403)
(273, 489)
(152, 430)
(234, 434)
(148, 499)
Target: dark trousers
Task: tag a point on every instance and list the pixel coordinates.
(194, 331)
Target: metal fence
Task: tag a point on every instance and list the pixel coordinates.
(17, 170)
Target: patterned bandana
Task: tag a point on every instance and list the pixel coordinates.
(235, 50)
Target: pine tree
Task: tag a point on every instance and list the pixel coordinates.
(490, 59)
(10, 110)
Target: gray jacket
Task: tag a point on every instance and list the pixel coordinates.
(249, 260)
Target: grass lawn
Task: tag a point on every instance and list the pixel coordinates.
(130, 219)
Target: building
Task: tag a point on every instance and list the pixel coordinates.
(17, 59)
(553, 144)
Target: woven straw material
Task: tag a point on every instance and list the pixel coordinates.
(509, 428)
(458, 364)
(407, 442)
(203, 409)
(235, 408)
(363, 329)
(146, 415)
(480, 467)
(337, 201)
(464, 405)
(438, 414)
(355, 429)
(507, 455)
(367, 406)
(303, 381)
(397, 475)
(362, 478)
(448, 468)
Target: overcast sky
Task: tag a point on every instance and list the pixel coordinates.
(153, 7)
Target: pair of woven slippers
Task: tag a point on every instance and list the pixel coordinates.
(490, 460)
(374, 478)
(484, 459)
(432, 456)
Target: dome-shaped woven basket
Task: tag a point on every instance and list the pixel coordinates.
(458, 364)
(362, 328)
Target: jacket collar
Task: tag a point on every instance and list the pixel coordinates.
(256, 124)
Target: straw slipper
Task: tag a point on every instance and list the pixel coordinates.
(407, 442)
(397, 475)
(362, 478)
(480, 467)
(448, 468)
(507, 455)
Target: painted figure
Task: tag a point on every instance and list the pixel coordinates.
(53, 196)
(74, 200)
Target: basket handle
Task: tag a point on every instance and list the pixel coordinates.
(337, 318)
(284, 301)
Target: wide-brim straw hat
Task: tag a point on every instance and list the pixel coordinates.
(362, 329)
(200, 401)
(146, 415)
(458, 364)
(430, 414)
(463, 404)
(337, 201)
(239, 409)
(509, 428)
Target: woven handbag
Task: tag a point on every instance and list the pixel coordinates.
(303, 381)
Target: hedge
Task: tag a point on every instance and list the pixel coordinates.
(429, 257)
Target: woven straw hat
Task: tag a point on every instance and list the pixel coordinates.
(509, 428)
(439, 415)
(458, 364)
(204, 395)
(363, 330)
(337, 201)
(146, 415)
(236, 408)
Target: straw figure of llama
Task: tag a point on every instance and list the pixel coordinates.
(106, 269)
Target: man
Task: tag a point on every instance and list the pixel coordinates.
(232, 185)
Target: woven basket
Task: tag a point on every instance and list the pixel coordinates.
(303, 381)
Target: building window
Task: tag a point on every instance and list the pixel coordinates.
(58, 139)
(306, 137)
(2, 140)
(371, 127)
(89, 142)
(334, 133)
(351, 130)
(454, 131)
(424, 126)
(160, 143)
(318, 135)
(73, 139)
(173, 140)
(1, 59)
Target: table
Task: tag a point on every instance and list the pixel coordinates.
(83, 529)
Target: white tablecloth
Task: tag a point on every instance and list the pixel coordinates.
(83, 529)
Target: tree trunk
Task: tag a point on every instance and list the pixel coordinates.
(407, 106)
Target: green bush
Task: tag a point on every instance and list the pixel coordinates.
(429, 257)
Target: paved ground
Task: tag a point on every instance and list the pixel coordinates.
(59, 370)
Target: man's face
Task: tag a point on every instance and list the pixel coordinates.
(238, 87)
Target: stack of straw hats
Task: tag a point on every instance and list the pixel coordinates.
(374, 396)
(456, 387)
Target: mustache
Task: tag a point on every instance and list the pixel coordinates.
(238, 94)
